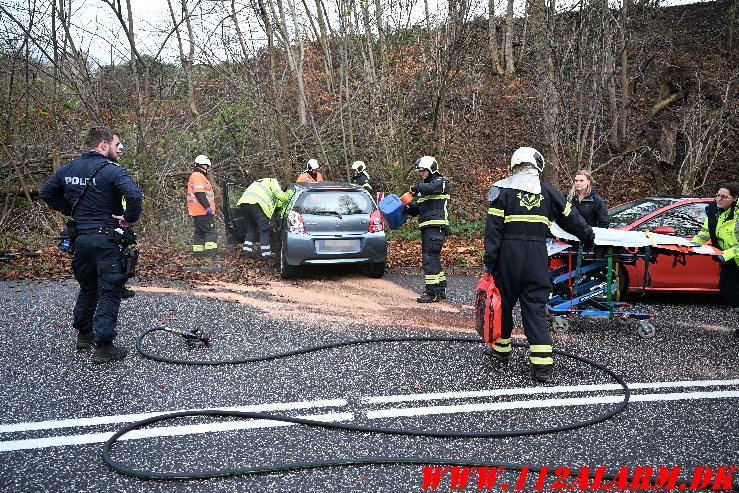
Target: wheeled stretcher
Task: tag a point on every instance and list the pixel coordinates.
(586, 282)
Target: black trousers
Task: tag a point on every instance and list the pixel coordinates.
(98, 267)
(432, 241)
(205, 237)
(257, 225)
(522, 275)
(728, 283)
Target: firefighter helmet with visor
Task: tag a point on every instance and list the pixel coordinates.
(427, 162)
(528, 156)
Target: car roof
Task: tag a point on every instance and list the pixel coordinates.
(672, 199)
(327, 185)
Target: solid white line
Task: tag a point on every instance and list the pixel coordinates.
(127, 418)
(544, 390)
(61, 441)
(581, 401)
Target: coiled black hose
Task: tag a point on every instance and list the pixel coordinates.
(107, 448)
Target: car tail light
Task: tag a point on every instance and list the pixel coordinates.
(295, 223)
(376, 222)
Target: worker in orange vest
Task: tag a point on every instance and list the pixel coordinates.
(201, 206)
(311, 172)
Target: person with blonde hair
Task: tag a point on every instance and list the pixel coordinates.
(586, 200)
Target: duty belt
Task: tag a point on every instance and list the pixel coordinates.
(95, 231)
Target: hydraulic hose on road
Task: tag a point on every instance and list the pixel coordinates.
(107, 448)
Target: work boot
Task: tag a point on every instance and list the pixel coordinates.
(85, 340)
(735, 335)
(246, 254)
(127, 293)
(428, 298)
(108, 352)
(542, 373)
(442, 294)
(500, 360)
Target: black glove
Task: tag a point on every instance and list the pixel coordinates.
(719, 258)
(488, 269)
(414, 189)
(405, 210)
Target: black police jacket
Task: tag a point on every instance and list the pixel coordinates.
(593, 209)
(103, 197)
(432, 202)
(518, 215)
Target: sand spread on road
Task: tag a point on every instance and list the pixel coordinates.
(354, 300)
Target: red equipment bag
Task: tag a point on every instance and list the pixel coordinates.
(487, 309)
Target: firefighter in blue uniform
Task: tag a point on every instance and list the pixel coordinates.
(90, 189)
(431, 206)
(521, 210)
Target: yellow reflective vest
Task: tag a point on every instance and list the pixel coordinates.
(265, 192)
(726, 232)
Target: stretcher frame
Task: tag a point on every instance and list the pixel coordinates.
(583, 290)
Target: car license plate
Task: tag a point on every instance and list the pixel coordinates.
(338, 245)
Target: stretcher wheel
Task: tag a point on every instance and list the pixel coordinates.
(646, 329)
(623, 320)
(560, 325)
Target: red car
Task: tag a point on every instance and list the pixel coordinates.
(673, 216)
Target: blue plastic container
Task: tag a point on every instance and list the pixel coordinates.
(392, 209)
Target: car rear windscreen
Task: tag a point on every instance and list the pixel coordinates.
(341, 202)
(628, 213)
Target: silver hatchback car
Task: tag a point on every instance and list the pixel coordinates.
(331, 223)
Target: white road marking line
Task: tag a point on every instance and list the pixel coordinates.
(61, 441)
(129, 418)
(544, 390)
(581, 401)
(56, 441)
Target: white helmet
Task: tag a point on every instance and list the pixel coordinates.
(359, 166)
(427, 162)
(528, 156)
(202, 159)
(312, 164)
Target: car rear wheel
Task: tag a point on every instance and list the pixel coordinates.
(286, 271)
(623, 283)
(376, 270)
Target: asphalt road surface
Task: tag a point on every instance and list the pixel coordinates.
(58, 408)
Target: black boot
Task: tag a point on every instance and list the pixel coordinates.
(542, 373)
(735, 335)
(127, 293)
(108, 352)
(500, 360)
(85, 340)
(428, 298)
(442, 294)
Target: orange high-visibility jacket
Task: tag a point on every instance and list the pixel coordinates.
(199, 183)
(305, 176)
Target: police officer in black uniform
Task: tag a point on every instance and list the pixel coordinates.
(90, 188)
(431, 206)
(521, 211)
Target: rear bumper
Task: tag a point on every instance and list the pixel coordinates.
(303, 249)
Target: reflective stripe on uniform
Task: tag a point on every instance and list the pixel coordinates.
(502, 345)
(433, 197)
(434, 222)
(528, 218)
(496, 212)
(541, 354)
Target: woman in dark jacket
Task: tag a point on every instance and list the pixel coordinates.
(588, 203)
